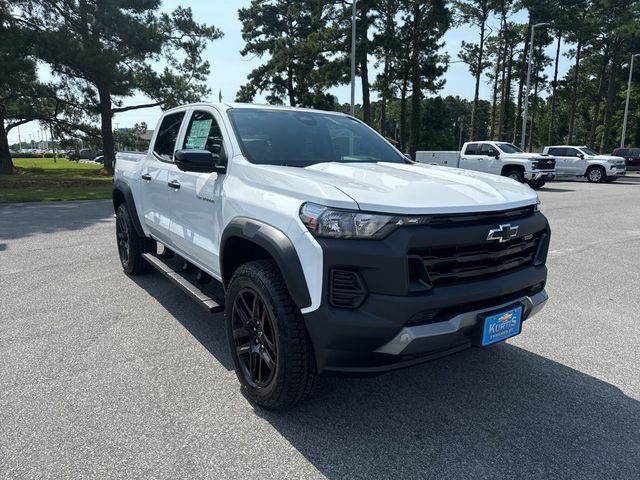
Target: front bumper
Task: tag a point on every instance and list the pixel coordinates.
(534, 175)
(422, 337)
(616, 172)
(396, 326)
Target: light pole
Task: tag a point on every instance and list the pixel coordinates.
(353, 58)
(526, 97)
(626, 107)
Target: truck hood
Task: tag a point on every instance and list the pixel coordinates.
(415, 189)
(606, 158)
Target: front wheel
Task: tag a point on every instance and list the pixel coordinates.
(536, 184)
(514, 174)
(271, 350)
(596, 174)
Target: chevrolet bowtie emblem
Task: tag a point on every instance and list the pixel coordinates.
(504, 233)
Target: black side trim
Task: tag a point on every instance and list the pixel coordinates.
(121, 187)
(278, 245)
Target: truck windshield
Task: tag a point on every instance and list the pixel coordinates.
(508, 148)
(588, 151)
(300, 138)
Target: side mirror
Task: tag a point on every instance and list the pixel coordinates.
(202, 161)
(581, 156)
(497, 155)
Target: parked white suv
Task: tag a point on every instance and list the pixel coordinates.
(572, 161)
(329, 250)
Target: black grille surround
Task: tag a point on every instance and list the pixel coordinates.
(455, 264)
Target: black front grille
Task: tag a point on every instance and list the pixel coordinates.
(460, 219)
(452, 265)
(545, 163)
(346, 289)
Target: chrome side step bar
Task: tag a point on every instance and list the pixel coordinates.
(205, 299)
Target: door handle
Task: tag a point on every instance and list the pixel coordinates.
(146, 177)
(174, 184)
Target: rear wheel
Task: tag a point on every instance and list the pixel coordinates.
(131, 246)
(515, 174)
(596, 174)
(271, 350)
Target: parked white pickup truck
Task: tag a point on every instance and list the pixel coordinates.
(583, 162)
(329, 250)
(498, 158)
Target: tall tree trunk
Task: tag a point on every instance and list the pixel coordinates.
(366, 98)
(106, 129)
(403, 112)
(611, 95)
(523, 79)
(416, 90)
(384, 98)
(476, 96)
(494, 103)
(503, 47)
(595, 118)
(6, 164)
(554, 86)
(534, 105)
(290, 89)
(507, 96)
(574, 94)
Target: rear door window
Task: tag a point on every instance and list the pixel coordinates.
(165, 143)
(472, 149)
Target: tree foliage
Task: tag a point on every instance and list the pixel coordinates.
(105, 51)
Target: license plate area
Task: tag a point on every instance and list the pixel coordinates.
(497, 326)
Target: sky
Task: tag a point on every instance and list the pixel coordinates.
(229, 69)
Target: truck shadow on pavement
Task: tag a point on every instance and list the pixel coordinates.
(501, 412)
(497, 413)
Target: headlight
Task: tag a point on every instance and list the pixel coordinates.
(612, 162)
(334, 223)
(328, 222)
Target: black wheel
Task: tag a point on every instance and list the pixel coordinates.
(536, 184)
(271, 350)
(515, 174)
(596, 174)
(130, 245)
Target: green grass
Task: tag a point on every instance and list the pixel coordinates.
(43, 180)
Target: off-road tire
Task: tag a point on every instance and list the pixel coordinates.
(131, 246)
(515, 174)
(295, 374)
(596, 174)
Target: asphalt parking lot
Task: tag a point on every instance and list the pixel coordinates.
(106, 376)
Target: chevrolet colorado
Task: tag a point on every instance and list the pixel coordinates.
(327, 249)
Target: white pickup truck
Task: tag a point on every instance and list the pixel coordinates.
(327, 249)
(498, 158)
(572, 161)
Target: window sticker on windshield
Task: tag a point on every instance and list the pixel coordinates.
(198, 134)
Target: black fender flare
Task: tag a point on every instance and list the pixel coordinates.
(120, 186)
(278, 245)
